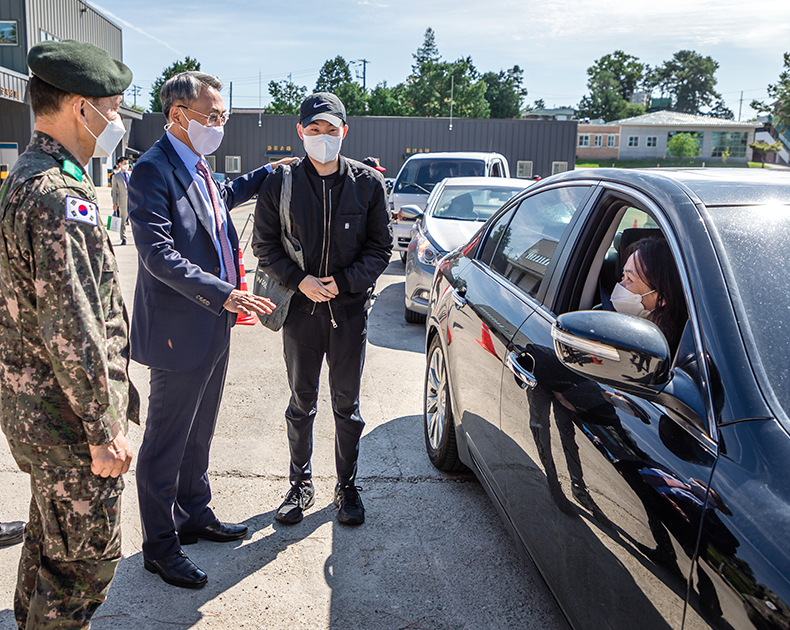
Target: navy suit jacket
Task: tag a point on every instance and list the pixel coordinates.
(179, 296)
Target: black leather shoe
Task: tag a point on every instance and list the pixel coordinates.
(177, 570)
(216, 532)
(11, 533)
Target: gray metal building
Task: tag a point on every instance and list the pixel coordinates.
(24, 23)
(532, 147)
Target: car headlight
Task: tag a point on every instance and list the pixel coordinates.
(426, 253)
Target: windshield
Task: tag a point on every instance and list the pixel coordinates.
(757, 247)
(418, 177)
(469, 203)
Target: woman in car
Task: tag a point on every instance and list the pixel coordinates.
(651, 288)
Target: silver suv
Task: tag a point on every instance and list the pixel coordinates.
(421, 172)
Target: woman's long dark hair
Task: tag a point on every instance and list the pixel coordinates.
(658, 270)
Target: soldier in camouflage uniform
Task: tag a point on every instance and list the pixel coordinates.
(65, 394)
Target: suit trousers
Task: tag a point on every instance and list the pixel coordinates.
(306, 340)
(172, 479)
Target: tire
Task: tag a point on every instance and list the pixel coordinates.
(413, 317)
(437, 413)
(403, 257)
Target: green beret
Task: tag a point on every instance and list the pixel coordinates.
(79, 68)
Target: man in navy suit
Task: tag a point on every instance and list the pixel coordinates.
(185, 303)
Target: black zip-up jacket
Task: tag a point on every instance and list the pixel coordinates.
(342, 223)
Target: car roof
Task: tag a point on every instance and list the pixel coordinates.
(487, 182)
(712, 186)
(454, 155)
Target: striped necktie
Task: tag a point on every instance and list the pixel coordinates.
(224, 243)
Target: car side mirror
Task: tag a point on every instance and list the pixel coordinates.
(410, 213)
(620, 350)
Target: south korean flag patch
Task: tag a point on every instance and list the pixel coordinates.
(81, 210)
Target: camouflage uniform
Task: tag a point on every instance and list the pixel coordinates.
(64, 384)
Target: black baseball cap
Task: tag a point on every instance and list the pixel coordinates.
(322, 106)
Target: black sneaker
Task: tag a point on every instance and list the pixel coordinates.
(350, 509)
(297, 500)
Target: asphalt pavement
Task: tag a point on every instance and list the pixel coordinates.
(432, 554)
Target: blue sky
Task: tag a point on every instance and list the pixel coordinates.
(554, 41)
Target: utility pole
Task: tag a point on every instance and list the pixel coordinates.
(364, 63)
(452, 88)
(136, 89)
(740, 106)
(230, 109)
(259, 97)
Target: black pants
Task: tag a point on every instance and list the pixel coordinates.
(172, 465)
(306, 340)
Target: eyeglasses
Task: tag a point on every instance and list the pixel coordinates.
(212, 119)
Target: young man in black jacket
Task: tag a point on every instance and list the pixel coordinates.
(339, 215)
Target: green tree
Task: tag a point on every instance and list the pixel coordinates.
(683, 145)
(333, 73)
(428, 88)
(780, 93)
(604, 100)
(763, 149)
(177, 67)
(354, 98)
(539, 104)
(720, 110)
(286, 97)
(505, 92)
(388, 101)
(689, 79)
(626, 70)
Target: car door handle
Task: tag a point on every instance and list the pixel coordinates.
(458, 297)
(524, 378)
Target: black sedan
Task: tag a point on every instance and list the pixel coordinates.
(648, 480)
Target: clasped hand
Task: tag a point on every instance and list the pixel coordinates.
(319, 289)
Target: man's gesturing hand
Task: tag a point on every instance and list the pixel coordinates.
(113, 459)
(248, 303)
(318, 289)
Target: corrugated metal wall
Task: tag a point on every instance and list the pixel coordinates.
(73, 19)
(390, 139)
(15, 123)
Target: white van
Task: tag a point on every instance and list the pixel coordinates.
(421, 172)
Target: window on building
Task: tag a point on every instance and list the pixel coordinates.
(233, 164)
(524, 169)
(610, 141)
(584, 140)
(652, 141)
(633, 141)
(733, 143)
(212, 162)
(558, 167)
(47, 37)
(598, 141)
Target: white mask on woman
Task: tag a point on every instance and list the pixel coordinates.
(323, 148)
(625, 301)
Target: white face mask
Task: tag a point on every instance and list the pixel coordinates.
(323, 148)
(108, 139)
(625, 301)
(205, 140)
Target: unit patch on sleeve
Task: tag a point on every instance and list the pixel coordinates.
(81, 210)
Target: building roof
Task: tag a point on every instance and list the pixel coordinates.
(676, 119)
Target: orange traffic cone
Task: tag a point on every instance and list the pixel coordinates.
(241, 318)
(636, 225)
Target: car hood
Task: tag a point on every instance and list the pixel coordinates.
(450, 233)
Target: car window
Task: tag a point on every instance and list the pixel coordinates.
(496, 170)
(469, 203)
(420, 176)
(528, 243)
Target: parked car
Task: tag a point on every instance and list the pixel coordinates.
(422, 171)
(455, 210)
(649, 483)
